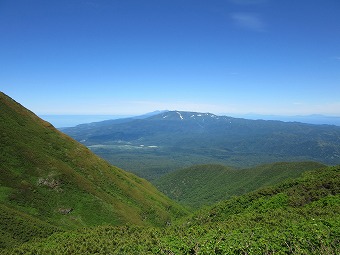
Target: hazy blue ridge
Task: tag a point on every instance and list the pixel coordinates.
(156, 145)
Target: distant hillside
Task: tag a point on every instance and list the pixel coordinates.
(300, 216)
(207, 184)
(51, 182)
(171, 140)
(318, 119)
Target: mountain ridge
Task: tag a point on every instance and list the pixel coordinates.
(49, 177)
(318, 119)
(148, 147)
(298, 216)
(203, 185)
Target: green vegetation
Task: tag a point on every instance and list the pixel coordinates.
(207, 184)
(57, 197)
(57, 183)
(154, 146)
(300, 216)
(17, 227)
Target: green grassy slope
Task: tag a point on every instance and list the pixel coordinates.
(300, 216)
(49, 176)
(17, 227)
(207, 184)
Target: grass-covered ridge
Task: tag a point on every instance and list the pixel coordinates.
(49, 177)
(201, 185)
(299, 216)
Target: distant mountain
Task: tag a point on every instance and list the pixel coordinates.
(170, 140)
(62, 121)
(318, 119)
(107, 122)
(201, 185)
(149, 114)
(50, 182)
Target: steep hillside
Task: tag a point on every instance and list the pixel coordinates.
(50, 177)
(160, 144)
(207, 184)
(297, 217)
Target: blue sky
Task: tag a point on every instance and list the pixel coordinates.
(136, 56)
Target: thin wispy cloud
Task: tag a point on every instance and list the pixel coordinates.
(250, 21)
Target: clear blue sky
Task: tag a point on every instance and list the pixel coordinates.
(137, 56)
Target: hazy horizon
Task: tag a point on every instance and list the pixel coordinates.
(71, 120)
(131, 57)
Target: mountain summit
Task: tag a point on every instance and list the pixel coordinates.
(182, 115)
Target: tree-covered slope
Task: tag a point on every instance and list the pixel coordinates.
(207, 184)
(48, 176)
(171, 140)
(300, 216)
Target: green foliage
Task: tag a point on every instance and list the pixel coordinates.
(267, 221)
(17, 227)
(51, 187)
(52, 178)
(207, 184)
